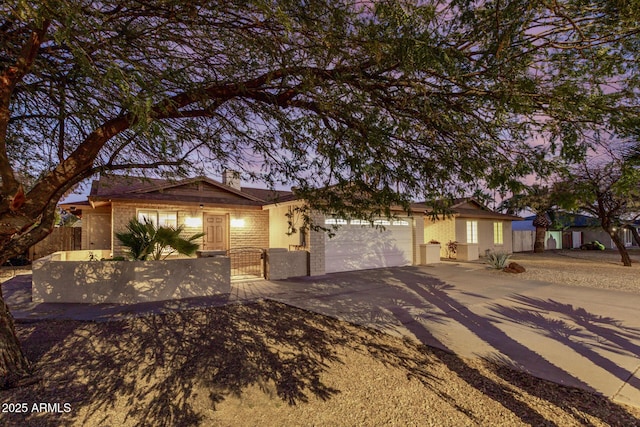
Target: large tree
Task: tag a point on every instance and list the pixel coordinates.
(347, 100)
(608, 190)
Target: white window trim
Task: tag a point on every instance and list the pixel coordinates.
(472, 232)
(498, 233)
(154, 216)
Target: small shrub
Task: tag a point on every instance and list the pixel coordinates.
(145, 240)
(452, 248)
(498, 260)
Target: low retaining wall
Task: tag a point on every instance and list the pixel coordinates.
(429, 253)
(282, 264)
(127, 282)
(467, 252)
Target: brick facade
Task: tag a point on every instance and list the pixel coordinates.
(253, 233)
(316, 247)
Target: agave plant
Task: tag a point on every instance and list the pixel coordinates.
(498, 260)
(144, 240)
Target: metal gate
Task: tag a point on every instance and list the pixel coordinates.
(246, 263)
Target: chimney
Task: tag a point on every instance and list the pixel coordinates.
(231, 178)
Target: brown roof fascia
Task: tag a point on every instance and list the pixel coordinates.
(208, 204)
(187, 181)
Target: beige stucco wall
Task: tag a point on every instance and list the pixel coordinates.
(455, 229)
(278, 226)
(128, 282)
(485, 235)
(442, 230)
(418, 237)
(282, 264)
(254, 232)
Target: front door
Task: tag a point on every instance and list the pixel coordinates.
(215, 228)
(99, 232)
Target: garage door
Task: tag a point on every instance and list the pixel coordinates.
(358, 246)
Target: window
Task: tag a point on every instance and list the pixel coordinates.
(627, 237)
(159, 218)
(497, 233)
(472, 231)
(335, 221)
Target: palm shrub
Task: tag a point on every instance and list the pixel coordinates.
(139, 238)
(144, 240)
(168, 240)
(498, 260)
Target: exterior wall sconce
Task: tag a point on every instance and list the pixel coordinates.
(201, 206)
(237, 222)
(193, 221)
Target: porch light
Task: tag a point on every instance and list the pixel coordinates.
(237, 222)
(193, 221)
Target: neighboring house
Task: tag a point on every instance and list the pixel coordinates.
(568, 231)
(472, 223)
(232, 216)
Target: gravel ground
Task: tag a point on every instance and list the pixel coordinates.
(594, 269)
(269, 364)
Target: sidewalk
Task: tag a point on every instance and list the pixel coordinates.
(580, 337)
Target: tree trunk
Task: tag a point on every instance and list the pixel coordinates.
(538, 246)
(13, 363)
(624, 254)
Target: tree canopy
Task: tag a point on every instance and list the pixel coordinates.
(364, 97)
(359, 104)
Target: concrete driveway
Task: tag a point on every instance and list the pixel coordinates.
(586, 338)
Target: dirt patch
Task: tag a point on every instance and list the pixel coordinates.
(593, 269)
(271, 364)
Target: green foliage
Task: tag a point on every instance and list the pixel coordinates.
(144, 240)
(360, 105)
(139, 239)
(498, 260)
(168, 241)
(452, 248)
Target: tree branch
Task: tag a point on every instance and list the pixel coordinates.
(8, 81)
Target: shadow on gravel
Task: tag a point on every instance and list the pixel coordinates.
(153, 370)
(153, 365)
